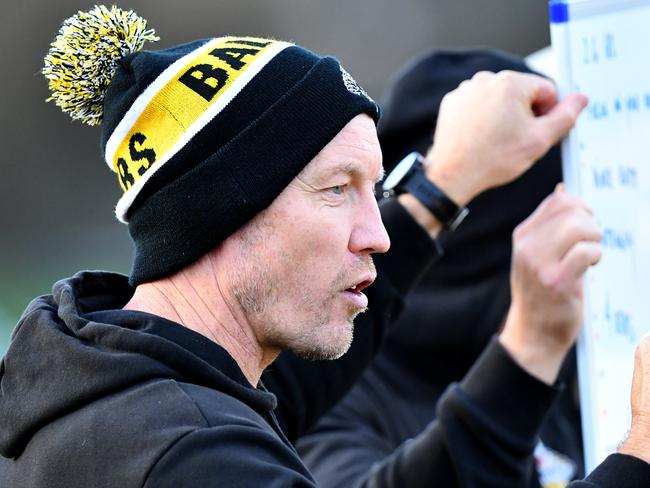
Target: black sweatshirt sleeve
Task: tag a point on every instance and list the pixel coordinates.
(307, 389)
(617, 471)
(484, 436)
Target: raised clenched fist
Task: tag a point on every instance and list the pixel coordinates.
(493, 127)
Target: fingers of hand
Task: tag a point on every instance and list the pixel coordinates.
(560, 240)
(482, 76)
(556, 203)
(556, 122)
(578, 259)
(478, 85)
(570, 227)
(544, 97)
(541, 120)
(534, 91)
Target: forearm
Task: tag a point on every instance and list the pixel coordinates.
(420, 214)
(485, 434)
(534, 357)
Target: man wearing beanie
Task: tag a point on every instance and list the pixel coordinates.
(248, 167)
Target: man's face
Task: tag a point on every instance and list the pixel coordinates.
(302, 262)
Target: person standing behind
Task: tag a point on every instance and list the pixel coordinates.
(455, 310)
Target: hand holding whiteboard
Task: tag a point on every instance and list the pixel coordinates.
(551, 251)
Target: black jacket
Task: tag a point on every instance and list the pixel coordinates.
(93, 396)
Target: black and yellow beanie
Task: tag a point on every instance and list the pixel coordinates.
(202, 136)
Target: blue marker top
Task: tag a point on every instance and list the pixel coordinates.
(558, 11)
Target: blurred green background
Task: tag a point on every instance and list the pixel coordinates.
(56, 193)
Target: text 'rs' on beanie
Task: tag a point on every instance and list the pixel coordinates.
(202, 136)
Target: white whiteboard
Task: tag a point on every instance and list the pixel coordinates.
(603, 51)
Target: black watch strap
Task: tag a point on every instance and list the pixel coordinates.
(428, 194)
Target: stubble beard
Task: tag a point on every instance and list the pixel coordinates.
(309, 335)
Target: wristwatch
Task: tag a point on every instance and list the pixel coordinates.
(408, 177)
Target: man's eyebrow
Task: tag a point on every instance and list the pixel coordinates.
(352, 170)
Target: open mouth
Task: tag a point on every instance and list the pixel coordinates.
(356, 289)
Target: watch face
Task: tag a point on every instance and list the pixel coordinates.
(395, 176)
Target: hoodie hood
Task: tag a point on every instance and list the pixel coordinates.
(77, 345)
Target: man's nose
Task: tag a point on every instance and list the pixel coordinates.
(369, 234)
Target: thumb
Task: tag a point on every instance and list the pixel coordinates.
(641, 380)
(637, 443)
(557, 122)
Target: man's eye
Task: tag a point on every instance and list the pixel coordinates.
(338, 189)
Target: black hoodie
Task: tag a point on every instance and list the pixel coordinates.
(95, 396)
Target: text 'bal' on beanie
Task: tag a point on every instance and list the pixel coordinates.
(202, 136)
